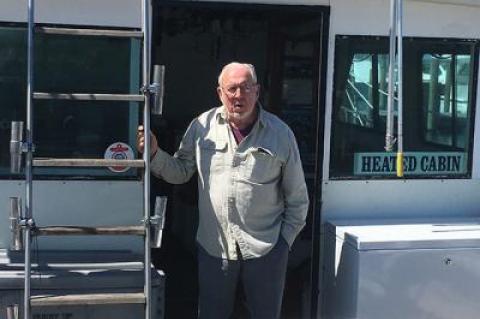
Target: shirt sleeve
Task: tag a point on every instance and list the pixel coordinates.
(180, 167)
(295, 194)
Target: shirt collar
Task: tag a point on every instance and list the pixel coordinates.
(221, 115)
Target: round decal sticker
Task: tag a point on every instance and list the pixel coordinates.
(119, 151)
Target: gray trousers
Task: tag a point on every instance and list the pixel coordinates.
(262, 279)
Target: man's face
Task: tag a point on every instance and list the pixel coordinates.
(238, 93)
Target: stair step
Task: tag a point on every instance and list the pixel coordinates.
(89, 97)
(87, 299)
(86, 162)
(80, 230)
(90, 32)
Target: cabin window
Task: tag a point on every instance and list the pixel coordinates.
(365, 92)
(445, 84)
(439, 91)
(62, 128)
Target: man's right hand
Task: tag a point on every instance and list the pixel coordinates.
(141, 141)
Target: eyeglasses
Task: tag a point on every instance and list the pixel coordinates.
(244, 88)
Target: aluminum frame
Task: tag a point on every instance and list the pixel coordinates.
(27, 221)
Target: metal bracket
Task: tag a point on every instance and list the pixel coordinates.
(151, 89)
(28, 147)
(28, 223)
(147, 90)
(152, 221)
(156, 89)
(155, 220)
(145, 223)
(18, 147)
(12, 312)
(16, 242)
(158, 221)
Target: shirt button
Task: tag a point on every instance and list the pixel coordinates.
(236, 160)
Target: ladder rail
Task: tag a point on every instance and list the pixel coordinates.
(146, 28)
(27, 219)
(29, 158)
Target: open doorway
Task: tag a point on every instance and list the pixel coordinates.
(194, 40)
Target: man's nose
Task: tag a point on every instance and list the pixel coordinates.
(238, 90)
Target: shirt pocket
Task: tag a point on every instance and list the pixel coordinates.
(261, 166)
(211, 156)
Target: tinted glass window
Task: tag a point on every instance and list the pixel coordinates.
(438, 89)
(70, 64)
(445, 84)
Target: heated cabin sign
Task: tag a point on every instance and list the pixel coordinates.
(414, 163)
(119, 151)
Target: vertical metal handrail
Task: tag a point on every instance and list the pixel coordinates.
(146, 27)
(389, 139)
(29, 156)
(400, 88)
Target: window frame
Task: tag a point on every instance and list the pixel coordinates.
(134, 174)
(377, 45)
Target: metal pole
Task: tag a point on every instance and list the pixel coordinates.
(146, 27)
(28, 157)
(389, 139)
(400, 88)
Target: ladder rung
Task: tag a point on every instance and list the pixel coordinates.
(89, 97)
(80, 230)
(87, 299)
(85, 162)
(91, 32)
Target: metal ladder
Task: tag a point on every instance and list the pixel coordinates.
(151, 94)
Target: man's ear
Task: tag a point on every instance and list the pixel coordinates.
(220, 95)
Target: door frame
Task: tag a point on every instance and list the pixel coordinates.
(316, 197)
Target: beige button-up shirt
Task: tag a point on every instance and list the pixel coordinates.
(249, 193)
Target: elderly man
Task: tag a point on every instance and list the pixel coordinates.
(252, 196)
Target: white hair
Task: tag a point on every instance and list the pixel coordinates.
(250, 68)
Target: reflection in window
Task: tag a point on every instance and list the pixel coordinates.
(437, 126)
(445, 81)
(70, 64)
(366, 93)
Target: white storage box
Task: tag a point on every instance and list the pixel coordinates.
(402, 269)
